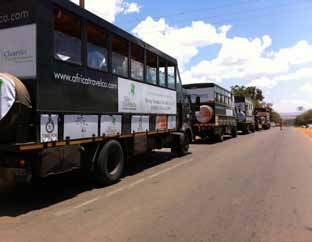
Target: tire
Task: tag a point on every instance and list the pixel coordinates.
(182, 146)
(219, 138)
(110, 163)
(246, 130)
(234, 132)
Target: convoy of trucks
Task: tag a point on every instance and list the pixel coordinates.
(77, 92)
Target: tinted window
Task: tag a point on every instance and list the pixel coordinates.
(162, 73)
(97, 48)
(151, 68)
(120, 50)
(137, 62)
(67, 37)
(171, 76)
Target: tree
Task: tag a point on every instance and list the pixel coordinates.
(254, 93)
(304, 119)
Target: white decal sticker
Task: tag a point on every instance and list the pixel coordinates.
(48, 128)
(18, 51)
(111, 124)
(80, 126)
(135, 97)
(140, 124)
(229, 112)
(172, 122)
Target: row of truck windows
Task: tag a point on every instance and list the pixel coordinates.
(144, 65)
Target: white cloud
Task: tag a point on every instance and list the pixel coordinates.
(131, 8)
(108, 9)
(299, 54)
(182, 43)
(299, 75)
(239, 58)
(286, 105)
(306, 87)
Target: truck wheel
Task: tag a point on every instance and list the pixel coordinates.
(219, 137)
(234, 132)
(110, 164)
(182, 147)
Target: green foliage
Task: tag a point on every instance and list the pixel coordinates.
(275, 117)
(304, 119)
(254, 93)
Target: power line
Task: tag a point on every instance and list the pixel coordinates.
(239, 12)
(186, 12)
(216, 18)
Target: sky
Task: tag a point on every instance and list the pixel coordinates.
(261, 43)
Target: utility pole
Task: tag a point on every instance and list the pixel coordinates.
(82, 3)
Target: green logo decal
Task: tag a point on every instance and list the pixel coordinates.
(1, 82)
(113, 120)
(132, 89)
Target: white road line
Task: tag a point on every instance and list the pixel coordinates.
(129, 186)
(114, 192)
(87, 203)
(169, 169)
(71, 209)
(136, 183)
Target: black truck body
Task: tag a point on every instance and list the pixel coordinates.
(213, 111)
(245, 114)
(262, 118)
(92, 90)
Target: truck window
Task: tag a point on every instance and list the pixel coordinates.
(137, 62)
(97, 48)
(120, 51)
(67, 37)
(162, 73)
(171, 76)
(151, 68)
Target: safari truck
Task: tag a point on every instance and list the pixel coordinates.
(262, 118)
(213, 111)
(245, 114)
(79, 92)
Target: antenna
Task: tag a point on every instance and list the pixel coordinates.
(82, 3)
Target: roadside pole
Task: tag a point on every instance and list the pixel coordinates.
(82, 3)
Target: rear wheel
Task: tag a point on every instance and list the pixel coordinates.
(219, 137)
(182, 147)
(110, 163)
(234, 132)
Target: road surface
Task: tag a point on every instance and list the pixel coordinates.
(257, 187)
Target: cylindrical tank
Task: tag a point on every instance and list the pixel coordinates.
(205, 114)
(15, 107)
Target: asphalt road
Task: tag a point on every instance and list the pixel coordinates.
(257, 187)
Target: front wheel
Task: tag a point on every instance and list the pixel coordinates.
(110, 163)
